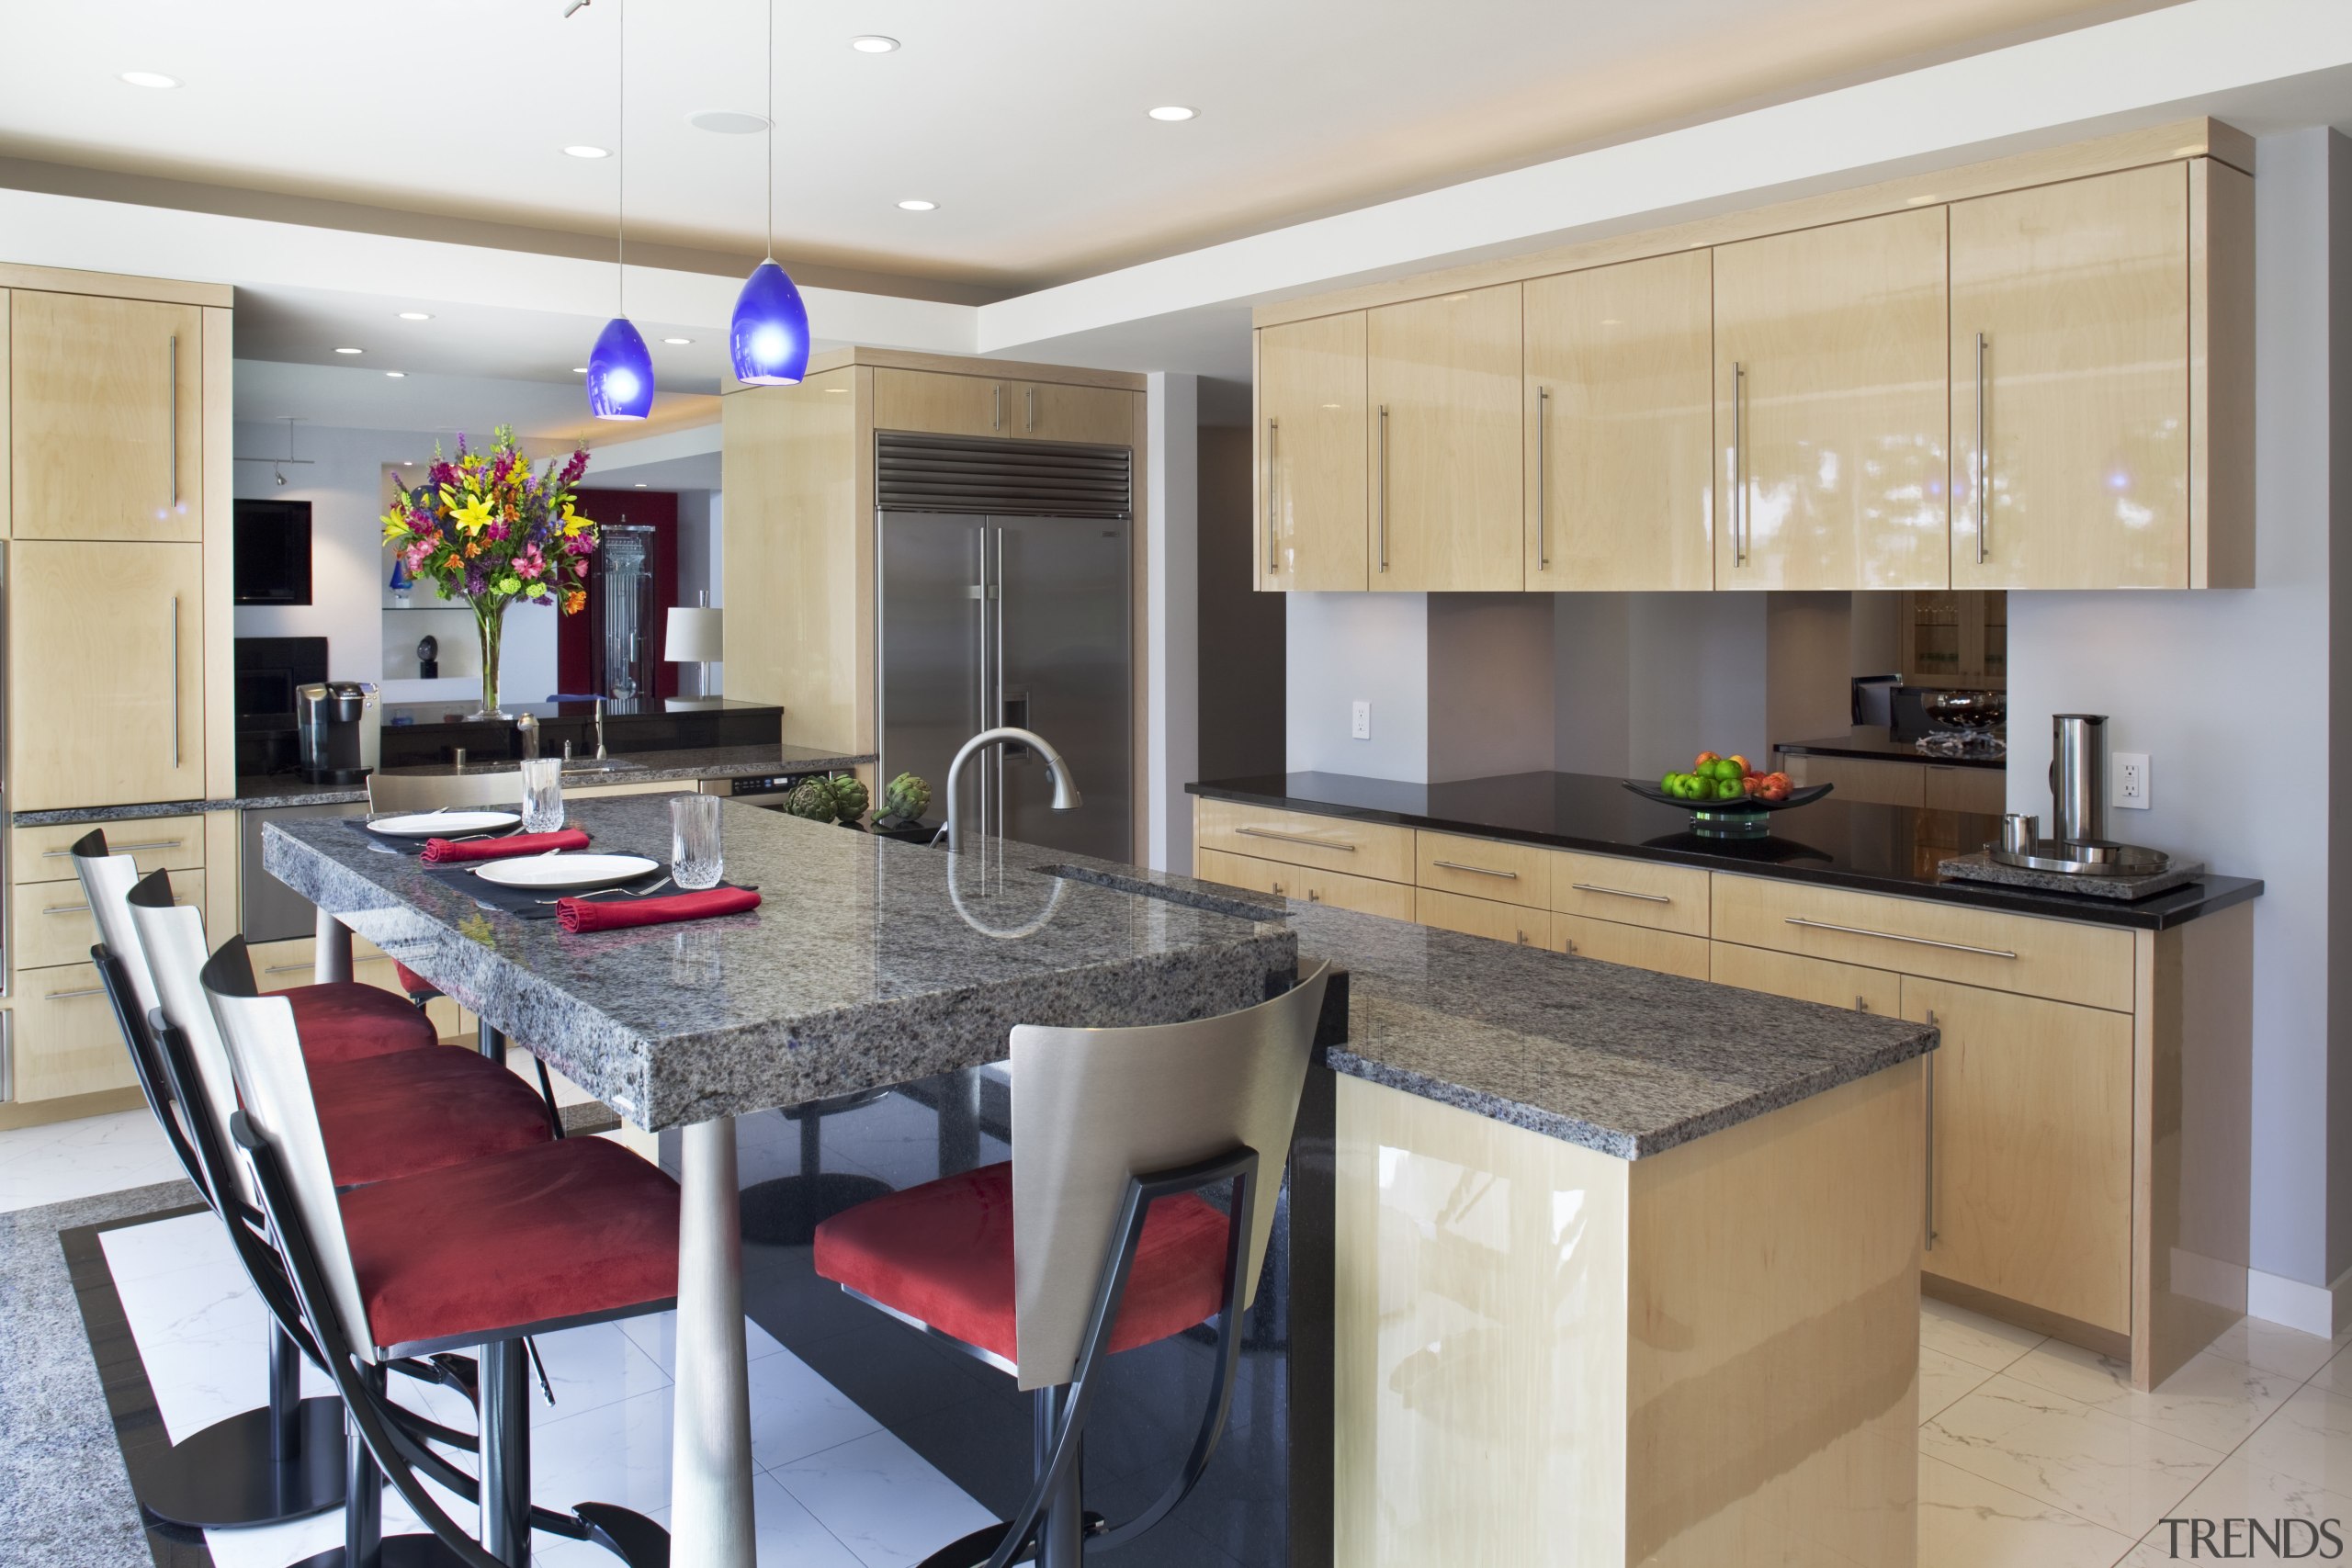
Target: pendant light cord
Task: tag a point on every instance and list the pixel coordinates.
(771, 241)
(620, 160)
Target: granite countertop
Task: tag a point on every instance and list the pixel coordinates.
(1841, 843)
(865, 967)
(259, 791)
(1876, 742)
(1624, 1061)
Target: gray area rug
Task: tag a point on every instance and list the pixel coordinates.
(64, 1499)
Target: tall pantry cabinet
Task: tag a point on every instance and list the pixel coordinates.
(115, 511)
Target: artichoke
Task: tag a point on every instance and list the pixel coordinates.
(906, 798)
(850, 799)
(812, 798)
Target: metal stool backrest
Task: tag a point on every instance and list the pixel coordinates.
(266, 1053)
(123, 969)
(1094, 1107)
(389, 793)
(171, 937)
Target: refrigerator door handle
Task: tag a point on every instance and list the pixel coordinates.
(996, 611)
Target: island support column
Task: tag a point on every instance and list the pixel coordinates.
(710, 1448)
(329, 950)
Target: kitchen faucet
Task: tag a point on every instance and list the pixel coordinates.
(600, 729)
(528, 726)
(1066, 795)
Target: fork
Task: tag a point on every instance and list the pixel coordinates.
(624, 892)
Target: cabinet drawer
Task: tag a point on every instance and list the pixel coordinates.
(157, 843)
(1637, 947)
(1480, 917)
(1807, 979)
(1483, 868)
(63, 1039)
(54, 924)
(1294, 838)
(1337, 888)
(1630, 892)
(2029, 1191)
(1984, 791)
(2060, 959)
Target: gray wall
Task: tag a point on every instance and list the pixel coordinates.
(1341, 647)
(1242, 630)
(2237, 698)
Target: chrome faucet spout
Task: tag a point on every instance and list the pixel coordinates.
(600, 730)
(1065, 793)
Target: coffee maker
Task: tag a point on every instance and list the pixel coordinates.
(340, 725)
(2078, 845)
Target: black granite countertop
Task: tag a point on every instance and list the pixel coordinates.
(870, 963)
(260, 791)
(1875, 742)
(1624, 1061)
(1876, 848)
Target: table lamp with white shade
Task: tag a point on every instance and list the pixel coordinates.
(694, 637)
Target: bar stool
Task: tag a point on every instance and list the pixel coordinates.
(536, 1239)
(1096, 1236)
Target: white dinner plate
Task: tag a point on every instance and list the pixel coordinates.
(566, 873)
(442, 824)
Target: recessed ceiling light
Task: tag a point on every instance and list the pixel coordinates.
(916, 204)
(729, 122)
(873, 43)
(1173, 111)
(580, 370)
(677, 340)
(150, 79)
(416, 315)
(347, 351)
(397, 375)
(584, 150)
(641, 484)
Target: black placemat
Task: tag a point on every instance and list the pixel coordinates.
(523, 901)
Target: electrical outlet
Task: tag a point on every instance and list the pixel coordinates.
(2132, 780)
(1360, 722)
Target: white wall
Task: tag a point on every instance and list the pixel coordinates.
(1342, 647)
(1172, 617)
(350, 572)
(2230, 693)
(698, 558)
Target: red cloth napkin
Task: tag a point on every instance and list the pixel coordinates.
(614, 914)
(443, 851)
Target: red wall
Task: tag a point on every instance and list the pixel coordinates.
(658, 510)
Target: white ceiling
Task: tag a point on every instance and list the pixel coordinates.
(1023, 118)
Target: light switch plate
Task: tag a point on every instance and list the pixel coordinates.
(1360, 722)
(2131, 780)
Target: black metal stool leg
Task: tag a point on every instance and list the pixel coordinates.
(506, 1452)
(284, 1461)
(1062, 1529)
(364, 1544)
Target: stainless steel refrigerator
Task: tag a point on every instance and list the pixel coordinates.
(1004, 572)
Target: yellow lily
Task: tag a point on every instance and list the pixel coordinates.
(573, 524)
(473, 516)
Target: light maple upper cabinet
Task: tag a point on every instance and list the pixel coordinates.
(1831, 407)
(2070, 409)
(106, 418)
(1312, 514)
(1620, 420)
(1442, 376)
(950, 404)
(1054, 411)
(106, 652)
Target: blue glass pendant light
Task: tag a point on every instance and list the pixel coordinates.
(769, 335)
(620, 367)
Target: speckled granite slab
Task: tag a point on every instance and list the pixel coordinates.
(865, 966)
(1621, 1060)
(646, 767)
(1982, 868)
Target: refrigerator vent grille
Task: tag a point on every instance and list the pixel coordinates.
(1026, 478)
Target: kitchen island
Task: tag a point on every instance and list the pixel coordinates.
(1610, 1257)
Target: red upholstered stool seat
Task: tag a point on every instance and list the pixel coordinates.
(560, 1230)
(414, 984)
(415, 1110)
(344, 1021)
(942, 1253)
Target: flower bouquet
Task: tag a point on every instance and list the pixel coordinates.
(486, 528)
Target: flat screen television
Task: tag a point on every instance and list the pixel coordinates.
(273, 552)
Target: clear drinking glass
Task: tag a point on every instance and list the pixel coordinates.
(694, 859)
(542, 795)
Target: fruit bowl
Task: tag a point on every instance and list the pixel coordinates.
(1745, 817)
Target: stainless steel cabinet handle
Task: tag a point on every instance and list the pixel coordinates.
(287, 968)
(1930, 1199)
(1031, 392)
(1315, 896)
(123, 848)
(174, 444)
(1984, 453)
(1384, 486)
(1737, 521)
(1897, 936)
(1274, 476)
(1481, 870)
(1621, 893)
(69, 996)
(176, 680)
(65, 909)
(1543, 498)
(996, 406)
(1298, 839)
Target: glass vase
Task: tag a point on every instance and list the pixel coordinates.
(489, 623)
